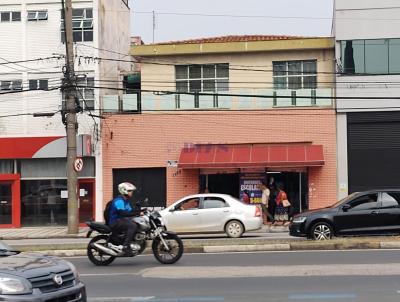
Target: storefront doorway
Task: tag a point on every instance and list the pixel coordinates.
(86, 200)
(221, 183)
(9, 201)
(295, 184)
(5, 202)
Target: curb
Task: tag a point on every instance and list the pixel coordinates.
(253, 248)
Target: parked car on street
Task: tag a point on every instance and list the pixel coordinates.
(212, 213)
(38, 278)
(360, 213)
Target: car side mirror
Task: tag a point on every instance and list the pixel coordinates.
(172, 209)
(346, 207)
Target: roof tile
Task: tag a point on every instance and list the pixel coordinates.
(234, 38)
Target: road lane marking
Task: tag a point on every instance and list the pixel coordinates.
(322, 296)
(157, 299)
(266, 252)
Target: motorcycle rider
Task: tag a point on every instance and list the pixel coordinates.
(120, 214)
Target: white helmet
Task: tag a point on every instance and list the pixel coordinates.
(125, 187)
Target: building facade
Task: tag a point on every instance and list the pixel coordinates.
(368, 119)
(33, 149)
(224, 114)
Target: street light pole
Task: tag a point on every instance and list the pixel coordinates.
(71, 121)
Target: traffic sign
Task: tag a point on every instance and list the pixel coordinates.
(78, 164)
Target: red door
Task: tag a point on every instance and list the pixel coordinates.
(86, 196)
(10, 214)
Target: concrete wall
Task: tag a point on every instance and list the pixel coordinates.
(243, 73)
(150, 140)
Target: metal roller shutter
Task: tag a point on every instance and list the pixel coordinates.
(373, 150)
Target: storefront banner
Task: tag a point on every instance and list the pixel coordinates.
(251, 182)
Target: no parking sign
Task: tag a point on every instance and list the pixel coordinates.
(78, 164)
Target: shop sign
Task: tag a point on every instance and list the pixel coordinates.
(251, 182)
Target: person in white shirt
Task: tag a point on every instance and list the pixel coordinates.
(264, 202)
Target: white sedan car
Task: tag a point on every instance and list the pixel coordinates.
(212, 213)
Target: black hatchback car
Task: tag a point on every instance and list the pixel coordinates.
(360, 213)
(37, 278)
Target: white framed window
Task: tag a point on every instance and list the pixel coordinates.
(84, 94)
(11, 85)
(202, 78)
(37, 15)
(295, 74)
(41, 84)
(10, 16)
(82, 25)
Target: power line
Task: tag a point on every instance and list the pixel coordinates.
(161, 92)
(30, 60)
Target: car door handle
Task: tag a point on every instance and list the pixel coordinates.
(195, 213)
(226, 211)
(375, 212)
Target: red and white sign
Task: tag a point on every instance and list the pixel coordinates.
(78, 164)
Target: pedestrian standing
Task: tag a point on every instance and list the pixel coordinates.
(282, 206)
(264, 202)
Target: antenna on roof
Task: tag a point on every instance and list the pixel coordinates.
(154, 24)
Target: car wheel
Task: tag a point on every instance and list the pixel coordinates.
(234, 229)
(321, 231)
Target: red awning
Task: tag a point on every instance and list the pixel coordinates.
(251, 155)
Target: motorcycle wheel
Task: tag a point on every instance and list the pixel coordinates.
(97, 257)
(175, 252)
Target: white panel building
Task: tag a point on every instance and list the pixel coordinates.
(33, 182)
(368, 59)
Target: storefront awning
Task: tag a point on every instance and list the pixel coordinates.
(251, 155)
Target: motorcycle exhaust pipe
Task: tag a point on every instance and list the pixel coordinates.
(105, 249)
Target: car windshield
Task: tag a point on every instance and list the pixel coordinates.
(344, 200)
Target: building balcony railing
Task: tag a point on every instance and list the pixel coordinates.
(238, 100)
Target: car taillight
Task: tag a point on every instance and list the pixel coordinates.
(258, 212)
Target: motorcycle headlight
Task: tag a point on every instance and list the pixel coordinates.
(299, 219)
(11, 285)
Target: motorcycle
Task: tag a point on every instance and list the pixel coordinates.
(167, 247)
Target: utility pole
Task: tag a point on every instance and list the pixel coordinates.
(70, 120)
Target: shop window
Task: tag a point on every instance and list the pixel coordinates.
(52, 167)
(44, 202)
(295, 74)
(6, 166)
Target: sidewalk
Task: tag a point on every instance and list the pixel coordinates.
(40, 233)
(61, 232)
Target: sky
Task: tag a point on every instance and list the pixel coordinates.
(188, 19)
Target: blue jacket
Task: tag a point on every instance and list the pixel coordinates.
(118, 204)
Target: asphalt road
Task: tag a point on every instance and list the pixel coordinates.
(367, 276)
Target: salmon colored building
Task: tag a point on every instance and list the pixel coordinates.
(225, 114)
